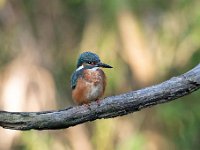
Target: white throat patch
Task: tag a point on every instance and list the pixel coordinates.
(79, 68)
(94, 69)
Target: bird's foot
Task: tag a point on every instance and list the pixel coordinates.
(98, 102)
(87, 105)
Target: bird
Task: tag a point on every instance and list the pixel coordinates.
(88, 81)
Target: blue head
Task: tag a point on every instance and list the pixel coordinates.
(89, 59)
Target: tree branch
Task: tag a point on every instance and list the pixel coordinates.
(109, 107)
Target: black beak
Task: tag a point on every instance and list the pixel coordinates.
(100, 64)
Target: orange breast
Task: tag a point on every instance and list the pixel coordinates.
(79, 93)
(90, 87)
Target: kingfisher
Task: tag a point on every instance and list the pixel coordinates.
(88, 81)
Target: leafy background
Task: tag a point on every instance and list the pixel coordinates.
(146, 41)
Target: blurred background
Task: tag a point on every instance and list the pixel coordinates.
(146, 41)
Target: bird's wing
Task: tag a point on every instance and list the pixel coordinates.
(75, 77)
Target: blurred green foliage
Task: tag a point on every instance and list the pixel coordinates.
(60, 30)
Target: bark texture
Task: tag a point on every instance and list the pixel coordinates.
(109, 107)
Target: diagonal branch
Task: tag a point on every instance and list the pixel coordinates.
(110, 107)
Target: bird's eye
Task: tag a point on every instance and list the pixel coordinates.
(89, 62)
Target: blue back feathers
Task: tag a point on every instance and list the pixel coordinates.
(75, 77)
